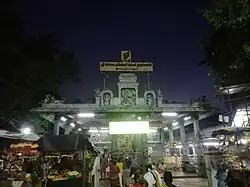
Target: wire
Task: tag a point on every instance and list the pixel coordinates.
(226, 100)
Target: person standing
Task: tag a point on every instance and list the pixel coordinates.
(233, 179)
(96, 173)
(121, 167)
(221, 176)
(161, 168)
(103, 167)
(126, 174)
(114, 174)
(168, 179)
(152, 177)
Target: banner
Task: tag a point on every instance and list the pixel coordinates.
(126, 67)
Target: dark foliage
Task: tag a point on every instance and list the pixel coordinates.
(227, 50)
(31, 67)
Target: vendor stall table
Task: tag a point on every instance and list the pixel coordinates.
(78, 144)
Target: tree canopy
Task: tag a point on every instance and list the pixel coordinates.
(227, 50)
(31, 67)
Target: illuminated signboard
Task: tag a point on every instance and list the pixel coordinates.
(125, 65)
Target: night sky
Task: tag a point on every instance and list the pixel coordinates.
(161, 31)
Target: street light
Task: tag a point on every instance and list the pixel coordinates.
(175, 123)
(93, 130)
(152, 130)
(63, 119)
(178, 146)
(104, 131)
(169, 114)
(211, 143)
(72, 125)
(86, 115)
(26, 131)
(187, 118)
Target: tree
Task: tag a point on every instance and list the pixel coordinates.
(227, 50)
(31, 67)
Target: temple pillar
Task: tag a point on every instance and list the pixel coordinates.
(162, 138)
(183, 141)
(56, 128)
(159, 97)
(197, 145)
(56, 123)
(194, 152)
(171, 140)
(98, 100)
(67, 129)
(196, 135)
(171, 137)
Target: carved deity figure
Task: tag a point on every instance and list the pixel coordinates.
(97, 93)
(159, 93)
(106, 99)
(128, 97)
(150, 99)
(49, 99)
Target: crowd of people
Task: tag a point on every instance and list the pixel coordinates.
(228, 177)
(124, 172)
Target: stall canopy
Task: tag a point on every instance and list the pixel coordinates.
(64, 143)
(18, 136)
(231, 131)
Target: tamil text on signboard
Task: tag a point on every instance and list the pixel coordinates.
(126, 66)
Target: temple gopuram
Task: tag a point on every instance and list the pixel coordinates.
(131, 121)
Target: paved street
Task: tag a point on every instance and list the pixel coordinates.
(190, 182)
(184, 182)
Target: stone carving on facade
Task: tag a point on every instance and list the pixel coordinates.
(128, 96)
(150, 97)
(107, 96)
(159, 93)
(106, 99)
(128, 77)
(97, 93)
(61, 101)
(51, 99)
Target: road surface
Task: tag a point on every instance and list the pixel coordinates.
(182, 182)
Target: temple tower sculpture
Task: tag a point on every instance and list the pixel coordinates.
(128, 89)
(128, 98)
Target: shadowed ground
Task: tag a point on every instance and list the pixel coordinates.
(190, 182)
(184, 182)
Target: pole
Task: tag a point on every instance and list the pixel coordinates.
(83, 170)
(222, 112)
(230, 102)
(246, 107)
(45, 170)
(104, 81)
(148, 80)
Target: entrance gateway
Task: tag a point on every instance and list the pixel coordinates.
(133, 121)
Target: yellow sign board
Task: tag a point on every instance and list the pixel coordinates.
(126, 67)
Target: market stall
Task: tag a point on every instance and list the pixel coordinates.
(232, 150)
(17, 164)
(68, 160)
